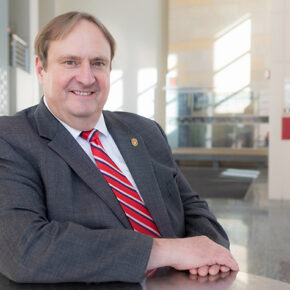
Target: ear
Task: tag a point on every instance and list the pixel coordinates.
(39, 69)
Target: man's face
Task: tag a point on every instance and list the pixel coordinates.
(76, 79)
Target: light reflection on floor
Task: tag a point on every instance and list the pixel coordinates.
(259, 230)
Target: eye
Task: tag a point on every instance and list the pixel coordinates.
(99, 63)
(70, 62)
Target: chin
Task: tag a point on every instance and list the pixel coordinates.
(85, 113)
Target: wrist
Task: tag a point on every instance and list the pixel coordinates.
(162, 253)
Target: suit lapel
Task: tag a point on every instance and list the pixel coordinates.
(67, 148)
(139, 163)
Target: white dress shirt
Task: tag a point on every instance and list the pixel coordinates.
(107, 142)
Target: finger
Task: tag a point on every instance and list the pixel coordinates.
(228, 261)
(203, 271)
(214, 269)
(193, 271)
(224, 269)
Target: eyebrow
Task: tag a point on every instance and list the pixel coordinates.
(73, 57)
(65, 57)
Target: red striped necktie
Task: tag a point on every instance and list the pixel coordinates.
(130, 201)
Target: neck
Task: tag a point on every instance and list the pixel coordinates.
(82, 124)
(79, 123)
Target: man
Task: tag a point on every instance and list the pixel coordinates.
(63, 217)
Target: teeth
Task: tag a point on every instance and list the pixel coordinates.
(82, 93)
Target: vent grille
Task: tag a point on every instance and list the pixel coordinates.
(3, 92)
(19, 53)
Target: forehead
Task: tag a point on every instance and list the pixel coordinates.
(85, 38)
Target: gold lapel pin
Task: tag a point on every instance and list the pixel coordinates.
(134, 142)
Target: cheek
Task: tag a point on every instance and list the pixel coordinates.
(60, 83)
(104, 80)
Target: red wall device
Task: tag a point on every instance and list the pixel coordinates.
(285, 128)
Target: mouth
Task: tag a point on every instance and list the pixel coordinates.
(83, 93)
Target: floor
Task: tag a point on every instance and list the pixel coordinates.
(259, 230)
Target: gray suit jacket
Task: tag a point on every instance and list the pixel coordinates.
(60, 221)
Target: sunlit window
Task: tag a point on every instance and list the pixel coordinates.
(171, 112)
(232, 67)
(235, 42)
(172, 62)
(171, 98)
(234, 77)
(116, 96)
(147, 81)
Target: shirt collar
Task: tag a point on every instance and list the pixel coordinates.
(100, 126)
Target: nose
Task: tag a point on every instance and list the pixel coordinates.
(85, 74)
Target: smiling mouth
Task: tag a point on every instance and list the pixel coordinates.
(82, 93)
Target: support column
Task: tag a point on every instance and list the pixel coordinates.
(279, 150)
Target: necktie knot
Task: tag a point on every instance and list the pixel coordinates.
(91, 135)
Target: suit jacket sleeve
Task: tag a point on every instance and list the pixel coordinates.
(197, 217)
(38, 250)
